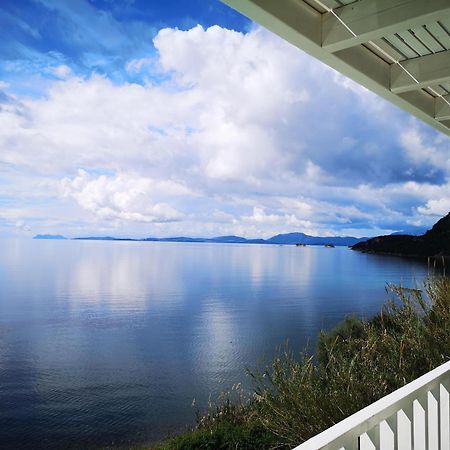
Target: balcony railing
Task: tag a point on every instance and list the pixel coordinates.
(415, 416)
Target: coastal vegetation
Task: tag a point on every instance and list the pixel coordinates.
(434, 243)
(355, 364)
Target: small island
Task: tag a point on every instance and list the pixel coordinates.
(50, 236)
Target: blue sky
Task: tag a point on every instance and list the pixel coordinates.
(160, 118)
(96, 35)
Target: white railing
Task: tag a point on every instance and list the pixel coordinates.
(415, 416)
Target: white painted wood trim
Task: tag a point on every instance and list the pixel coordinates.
(364, 420)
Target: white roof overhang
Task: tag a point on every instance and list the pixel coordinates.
(399, 49)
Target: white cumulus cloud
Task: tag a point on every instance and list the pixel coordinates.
(243, 133)
(124, 197)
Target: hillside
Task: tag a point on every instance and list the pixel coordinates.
(435, 242)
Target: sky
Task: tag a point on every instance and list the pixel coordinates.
(164, 118)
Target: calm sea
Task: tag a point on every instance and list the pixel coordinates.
(107, 343)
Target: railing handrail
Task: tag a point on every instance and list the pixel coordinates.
(370, 416)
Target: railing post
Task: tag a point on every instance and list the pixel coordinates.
(392, 422)
(433, 418)
(387, 436)
(444, 415)
(404, 428)
(419, 427)
(366, 443)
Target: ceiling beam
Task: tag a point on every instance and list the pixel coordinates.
(373, 19)
(427, 70)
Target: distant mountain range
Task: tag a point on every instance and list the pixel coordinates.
(414, 241)
(280, 239)
(301, 238)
